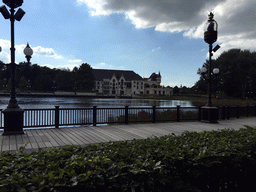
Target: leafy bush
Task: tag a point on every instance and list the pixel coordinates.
(164, 115)
(205, 161)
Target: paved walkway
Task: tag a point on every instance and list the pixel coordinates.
(46, 138)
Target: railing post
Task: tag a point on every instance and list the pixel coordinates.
(199, 113)
(154, 114)
(57, 116)
(228, 112)
(126, 114)
(178, 113)
(238, 111)
(255, 110)
(247, 111)
(94, 115)
(223, 113)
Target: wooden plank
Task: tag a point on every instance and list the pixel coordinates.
(84, 136)
(44, 138)
(76, 132)
(69, 133)
(20, 141)
(93, 136)
(64, 136)
(32, 139)
(38, 139)
(123, 133)
(26, 141)
(90, 133)
(118, 131)
(102, 136)
(6, 143)
(151, 129)
(135, 132)
(142, 133)
(1, 140)
(113, 136)
(55, 137)
(51, 139)
(13, 142)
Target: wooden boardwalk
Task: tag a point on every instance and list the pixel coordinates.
(47, 138)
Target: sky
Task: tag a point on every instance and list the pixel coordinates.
(145, 36)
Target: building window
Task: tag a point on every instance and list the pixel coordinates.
(128, 85)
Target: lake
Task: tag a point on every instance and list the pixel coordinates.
(79, 102)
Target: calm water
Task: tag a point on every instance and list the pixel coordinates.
(51, 102)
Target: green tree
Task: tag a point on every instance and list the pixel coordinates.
(23, 84)
(84, 78)
(64, 80)
(237, 77)
(176, 90)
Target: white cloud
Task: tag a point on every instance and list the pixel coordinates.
(75, 60)
(164, 15)
(48, 52)
(102, 66)
(5, 57)
(69, 66)
(155, 49)
(5, 44)
(107, 66)
(236, 18)
(39, 50)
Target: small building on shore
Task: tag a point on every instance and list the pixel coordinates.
(127, 83)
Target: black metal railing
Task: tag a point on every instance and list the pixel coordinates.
(57, 117)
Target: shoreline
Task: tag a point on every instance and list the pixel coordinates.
(66, 94)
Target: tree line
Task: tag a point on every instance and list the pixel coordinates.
(237, 76)
(44, 79)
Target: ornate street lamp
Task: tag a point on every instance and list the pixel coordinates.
(209, 112)
(13, 114)
(28, 52)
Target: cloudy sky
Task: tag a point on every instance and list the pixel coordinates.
(145, 36)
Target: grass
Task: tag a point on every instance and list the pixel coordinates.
(200, 101)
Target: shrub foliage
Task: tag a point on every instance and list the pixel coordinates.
(205, 161)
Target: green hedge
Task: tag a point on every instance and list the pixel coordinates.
(222, 160)
(166, 115)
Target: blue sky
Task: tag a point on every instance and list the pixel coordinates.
(145, 36)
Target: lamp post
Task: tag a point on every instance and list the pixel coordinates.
(13, 114)
(209, 112)
(28, 52)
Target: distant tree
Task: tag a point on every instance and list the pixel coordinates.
(237, 77)
(176, 90)
(84, 78)
(23, 84)
(64, 80)
(42, 78)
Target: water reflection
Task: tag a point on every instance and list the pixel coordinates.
(78, 102)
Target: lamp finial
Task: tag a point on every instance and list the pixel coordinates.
(211, 15)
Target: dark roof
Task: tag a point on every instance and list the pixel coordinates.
(154, 76)
(101, 74)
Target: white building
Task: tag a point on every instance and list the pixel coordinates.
(127, 83)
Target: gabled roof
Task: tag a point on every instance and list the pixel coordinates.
(101, 74)
(154, 76)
